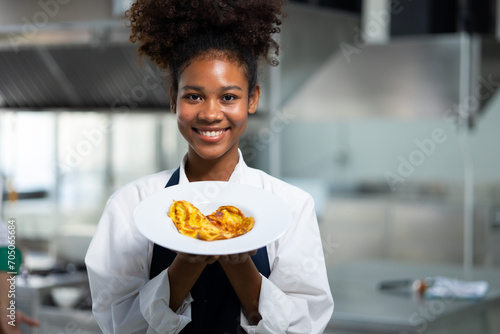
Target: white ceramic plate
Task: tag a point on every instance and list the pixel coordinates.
(272, 216)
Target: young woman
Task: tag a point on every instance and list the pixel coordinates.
(211, 49)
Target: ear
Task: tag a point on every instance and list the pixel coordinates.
(173, 100)
(253, 99)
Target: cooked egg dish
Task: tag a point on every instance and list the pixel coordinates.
(225, 223)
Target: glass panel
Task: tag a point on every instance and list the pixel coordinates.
(26, 150)
(82, 160)
(133, 155)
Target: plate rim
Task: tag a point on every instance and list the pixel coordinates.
(229, 246)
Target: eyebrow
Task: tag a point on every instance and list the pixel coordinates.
(201, 89)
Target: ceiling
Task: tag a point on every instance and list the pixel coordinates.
(86, 62)
(80, 77)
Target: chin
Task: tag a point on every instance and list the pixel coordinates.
(211, 154)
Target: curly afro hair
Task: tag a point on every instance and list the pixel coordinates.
(174, 32)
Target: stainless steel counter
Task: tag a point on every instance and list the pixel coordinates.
(33, 298)
(360, 307)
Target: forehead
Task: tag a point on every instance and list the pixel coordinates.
(209, 71)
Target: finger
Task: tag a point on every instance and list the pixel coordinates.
(31, 322)
(185, 257)
(212, 259)
(231, 258)
(23, 318)
(208, 259)
(234, 258)
(238, 258)
(192, 258)
(252, 253)
(226, 259)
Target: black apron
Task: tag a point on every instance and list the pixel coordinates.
(215, 307)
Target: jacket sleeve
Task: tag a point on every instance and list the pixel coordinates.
(124, 300)
(296, 298)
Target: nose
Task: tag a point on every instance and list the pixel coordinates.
(211, 112)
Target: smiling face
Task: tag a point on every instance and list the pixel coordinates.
(212, 106)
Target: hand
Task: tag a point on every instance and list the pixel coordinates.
(236, 258)
(21, 318)
(197, 259)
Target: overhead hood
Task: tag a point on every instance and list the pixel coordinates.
(403, 63)
(406, 78)
(73, 55)
(81, 59)
(79, 77)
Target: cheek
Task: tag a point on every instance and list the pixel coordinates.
(180, 119)
(183, 125)
(184, 117)
(240, 117)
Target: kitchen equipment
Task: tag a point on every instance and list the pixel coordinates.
(72, 241)
(66, 296)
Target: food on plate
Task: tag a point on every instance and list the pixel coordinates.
(225, 223)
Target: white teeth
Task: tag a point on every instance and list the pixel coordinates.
(211, 133)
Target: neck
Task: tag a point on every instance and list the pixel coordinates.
(220, 169)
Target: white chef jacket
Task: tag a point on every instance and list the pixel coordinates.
(296, 297)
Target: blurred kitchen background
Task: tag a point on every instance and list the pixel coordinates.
(387, 112)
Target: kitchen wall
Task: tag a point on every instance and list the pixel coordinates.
(407, 153)
(415, 213)
(367, 148)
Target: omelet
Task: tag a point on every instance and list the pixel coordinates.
(225, 223)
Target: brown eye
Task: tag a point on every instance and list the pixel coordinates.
(193, 97)
(228, 98)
